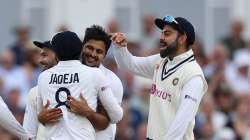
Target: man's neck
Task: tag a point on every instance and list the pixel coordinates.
(181, 50)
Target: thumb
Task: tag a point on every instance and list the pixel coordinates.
(112, 36)
(82, 97)
(47, 104)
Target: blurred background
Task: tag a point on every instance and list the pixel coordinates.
(221, 48)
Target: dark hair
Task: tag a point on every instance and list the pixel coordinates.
(96, 32)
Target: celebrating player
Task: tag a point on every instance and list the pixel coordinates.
(178, 81)
(69, 78)
(95, 46)
(30, 123)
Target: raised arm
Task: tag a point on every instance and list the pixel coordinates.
(143, 66)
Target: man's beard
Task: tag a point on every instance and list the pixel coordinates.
(169, 50)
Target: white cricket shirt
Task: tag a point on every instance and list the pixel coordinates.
(169, 96)
(73, 78)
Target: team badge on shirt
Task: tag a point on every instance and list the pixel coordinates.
(175, 81)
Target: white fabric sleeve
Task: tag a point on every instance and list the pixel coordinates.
(117, 89)
(143, 66)
(9, 122)
(191, 96)
(108, 100)
(39, 100)
(30, 122)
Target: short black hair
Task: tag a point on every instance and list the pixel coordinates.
(96, 32)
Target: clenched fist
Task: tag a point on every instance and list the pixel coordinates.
(119, 39)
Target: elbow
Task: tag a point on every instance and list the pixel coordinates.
(103, 126)
(116, 117)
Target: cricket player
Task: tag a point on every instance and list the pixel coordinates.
(95, 46)
(30, 123)
(178, 81)
(69, 78)
(9, 122)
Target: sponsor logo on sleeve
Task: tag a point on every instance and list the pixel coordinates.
(191, 98)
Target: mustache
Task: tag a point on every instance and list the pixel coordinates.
(163, 43)
(87, 56)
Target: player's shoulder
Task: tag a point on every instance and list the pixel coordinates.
(33, 93)
(46, 72)
(193, 66)
(110, 74)
(93, 72)
(87, 68)
(107, 72)
(33, 90)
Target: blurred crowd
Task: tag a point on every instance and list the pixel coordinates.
(225, 110)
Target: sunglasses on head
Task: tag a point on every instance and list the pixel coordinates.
(170, 19)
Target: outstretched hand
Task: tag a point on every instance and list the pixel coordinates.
(119, 39)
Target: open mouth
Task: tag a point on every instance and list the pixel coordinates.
(163, 46)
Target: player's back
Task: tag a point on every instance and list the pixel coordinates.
(55, 84)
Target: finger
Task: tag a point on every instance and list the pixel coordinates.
(54, 120)
(72, 103)
(114, 35)
(54, 113)
(113, 38)
(47, 104)
(121, 40)
(54, 110)
(70, 98)
(72, 110)
(81, 97)
(55, 116)
(123, 44)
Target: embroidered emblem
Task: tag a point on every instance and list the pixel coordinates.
(175, 81)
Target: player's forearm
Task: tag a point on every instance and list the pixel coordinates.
(30, 122)
(99, 121)
(143, 66)
(9, 122)
(192, 94)
(114, 110)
